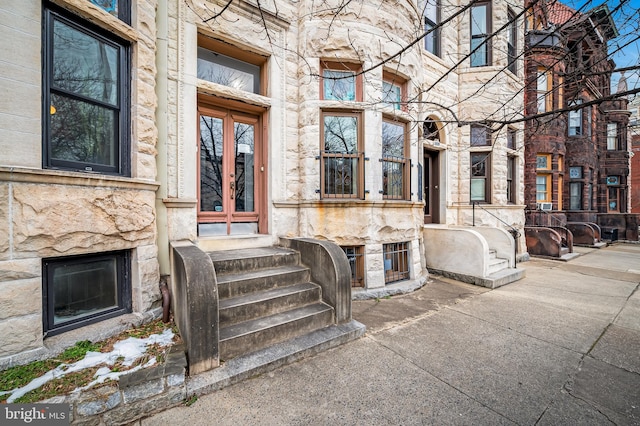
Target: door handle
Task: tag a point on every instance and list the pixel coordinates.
(232, 184)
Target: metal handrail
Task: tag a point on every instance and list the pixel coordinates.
(516, 232)
(549, 215)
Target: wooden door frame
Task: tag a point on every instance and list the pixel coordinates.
(231, 108)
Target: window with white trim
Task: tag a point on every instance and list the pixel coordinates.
(543, 90)
(543, 178)
(575, 119)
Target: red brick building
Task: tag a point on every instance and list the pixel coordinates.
(635, 159)
(576, 147)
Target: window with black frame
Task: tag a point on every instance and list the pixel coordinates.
(511, 179)
(431, 15)
(86, 113)
(118, 8)
(512, 41)
(480, 29)
(80, 290)
(480, 177)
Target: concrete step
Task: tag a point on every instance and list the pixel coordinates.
(264, 303)
(249, 336)
(502, 277)
(496, 265)
(245, 260)
(269, 358)
(239, 283)
(563, 251)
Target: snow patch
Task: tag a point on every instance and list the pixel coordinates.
(129, 350)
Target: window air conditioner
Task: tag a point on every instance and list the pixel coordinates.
(545, 206)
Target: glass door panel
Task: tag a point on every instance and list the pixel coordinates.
(211, 164)
(244, 147)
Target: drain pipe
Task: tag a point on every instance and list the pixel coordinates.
(473, 215)
(166, 301)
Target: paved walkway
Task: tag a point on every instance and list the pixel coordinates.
(560, 347)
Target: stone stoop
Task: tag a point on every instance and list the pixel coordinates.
(496, 264)
(266, 297)
(499, 273)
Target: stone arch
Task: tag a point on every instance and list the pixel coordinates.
(433, 129)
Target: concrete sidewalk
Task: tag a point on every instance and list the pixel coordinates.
(561, 346)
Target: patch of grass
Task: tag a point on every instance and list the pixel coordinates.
(21, 375)
(191, 400)
(155, 327)
(59, 386)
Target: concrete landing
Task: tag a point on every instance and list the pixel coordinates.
(564, 258)
(495, 280)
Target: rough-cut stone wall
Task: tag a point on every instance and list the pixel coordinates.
(55, 213)
(489, 93)
(301, 35)
(364, 33)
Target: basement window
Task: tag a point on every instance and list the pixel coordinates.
(355, 255)
(80, 290)
(396, 262)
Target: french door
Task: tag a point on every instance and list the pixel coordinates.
(231, 190)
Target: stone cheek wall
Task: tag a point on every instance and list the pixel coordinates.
(51, 213)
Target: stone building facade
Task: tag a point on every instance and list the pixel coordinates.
(78, 227)
(359, 126)
(577, 152)
(340, 124)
